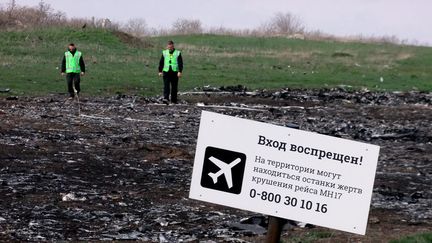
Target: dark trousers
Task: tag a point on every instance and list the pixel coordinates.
(170, 84)
(73, 79)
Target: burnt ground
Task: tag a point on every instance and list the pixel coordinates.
(122, 170)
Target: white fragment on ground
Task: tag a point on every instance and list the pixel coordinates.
(70, 197)
(163, 222)
(162, 239)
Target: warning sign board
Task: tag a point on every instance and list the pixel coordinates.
(284, 172)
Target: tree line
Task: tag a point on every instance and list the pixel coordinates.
(13, 17)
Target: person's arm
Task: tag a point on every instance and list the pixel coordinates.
(82, 64)
(63, 65)
(161, 63)
(180, 63)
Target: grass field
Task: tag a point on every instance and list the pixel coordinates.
(30, 62)
(418, 238)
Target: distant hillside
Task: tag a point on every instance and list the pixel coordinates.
(117, 62)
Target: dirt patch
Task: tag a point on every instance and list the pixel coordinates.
(122, 170)
(132, 40)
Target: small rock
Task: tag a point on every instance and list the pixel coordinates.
(374, 220)
(416, 195)
(122, 204)
(257, 220)
(292, 125)
(245, 228)
(12, 98)
(192, 239)
(162, 239)
(235, 240)
(305, 225)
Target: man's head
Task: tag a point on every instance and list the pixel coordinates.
(170, 45)
(72, 47)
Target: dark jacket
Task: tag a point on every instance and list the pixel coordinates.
(179, 62)
(81, 63)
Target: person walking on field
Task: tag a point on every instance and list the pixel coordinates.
(73, 67)
(171, 68)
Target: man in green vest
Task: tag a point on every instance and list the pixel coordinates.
(73, 67)
(170, 67)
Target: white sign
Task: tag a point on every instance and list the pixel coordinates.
(284, 172)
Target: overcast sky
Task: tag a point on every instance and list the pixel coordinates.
(406, 19)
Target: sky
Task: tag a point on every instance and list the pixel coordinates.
(405, 19)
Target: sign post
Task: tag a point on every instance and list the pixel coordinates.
(274, 230)
(276, 224)
(284, 172)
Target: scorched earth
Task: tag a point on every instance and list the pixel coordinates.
(122, 169)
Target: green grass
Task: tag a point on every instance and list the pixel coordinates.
(310, 237)
(418, 238)
(29, 62)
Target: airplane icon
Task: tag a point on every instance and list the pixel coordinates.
(225, 169)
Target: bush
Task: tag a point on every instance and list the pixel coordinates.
(283, 24)
(15, 16)
(136, 27)
(187, 26)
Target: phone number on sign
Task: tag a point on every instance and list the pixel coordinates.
(289, 201)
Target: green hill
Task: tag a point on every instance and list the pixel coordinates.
(116, 62)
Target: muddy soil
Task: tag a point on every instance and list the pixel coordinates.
(122, 170)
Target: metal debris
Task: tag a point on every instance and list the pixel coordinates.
(72, 197)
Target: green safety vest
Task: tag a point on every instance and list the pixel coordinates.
(72, 62)
(170, 60)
